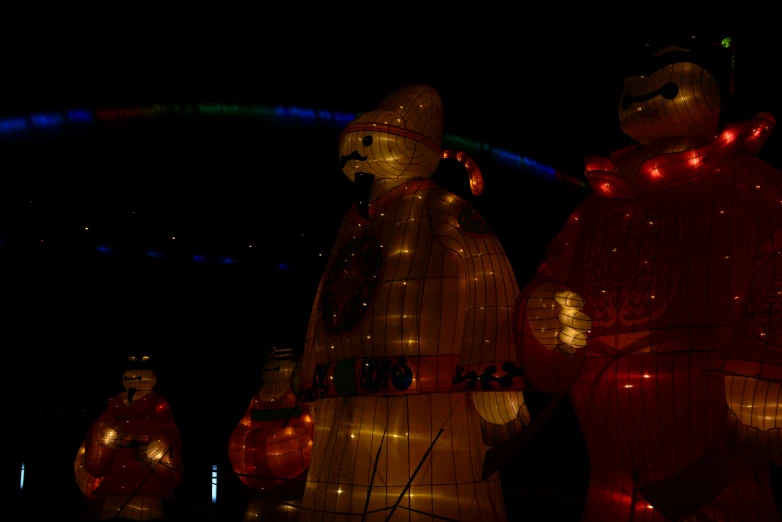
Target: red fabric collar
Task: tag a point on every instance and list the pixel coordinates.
(669, 170)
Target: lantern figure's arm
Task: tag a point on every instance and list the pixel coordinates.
(753, 384)
(486, 283)
(752, 358)
(550, 327)
(236, 450)
(100, 443)
(554, 313)
(488, 288)
(166, 449)
(165, 446)
(86, 482)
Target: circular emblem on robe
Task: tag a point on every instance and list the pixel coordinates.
(351, 284)
(470, 222)
(631, 267)
(764, 318)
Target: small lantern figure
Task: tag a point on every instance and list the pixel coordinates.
(131, 457)
(409, 354)
(270, 449)
(658, 299)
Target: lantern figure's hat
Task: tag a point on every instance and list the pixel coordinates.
(414, 112)
(401, 138)
(715, 54)
(281, 353)
(140, 360)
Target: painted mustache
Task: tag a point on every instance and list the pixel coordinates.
(343, 160)
(667, 91)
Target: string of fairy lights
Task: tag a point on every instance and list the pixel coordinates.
(42, 122)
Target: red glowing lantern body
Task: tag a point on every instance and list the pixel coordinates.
(664, 253)
(271, 446)
(132, 456)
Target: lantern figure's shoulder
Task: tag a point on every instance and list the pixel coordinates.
(456, 223)
(757, 174)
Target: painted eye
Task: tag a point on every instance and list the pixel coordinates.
(367, 141)
(131, 358)
(145, 358)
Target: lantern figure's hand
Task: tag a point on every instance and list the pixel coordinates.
(556, 319)
(110, 435)
(153, 452)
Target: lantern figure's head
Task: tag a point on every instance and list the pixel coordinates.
(277, 373)
(677, 90)
(140, 376)
(401, 138)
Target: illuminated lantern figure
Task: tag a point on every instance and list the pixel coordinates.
(270, 449)
(131, 457)
(409, 354)
(658, 299)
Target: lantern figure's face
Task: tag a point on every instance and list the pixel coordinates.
(398, 139)
(679, 99)
(276, 379)
(140, 380)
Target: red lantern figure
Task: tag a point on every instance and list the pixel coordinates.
(409, 355)
(131, 457)
(657, 301)
(270, 449)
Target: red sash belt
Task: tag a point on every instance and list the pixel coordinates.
(389, 376)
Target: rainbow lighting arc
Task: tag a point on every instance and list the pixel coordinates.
(15, 125)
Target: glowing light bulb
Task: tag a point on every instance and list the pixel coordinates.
(214, 484)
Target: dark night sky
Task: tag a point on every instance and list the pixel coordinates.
(70, 314)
